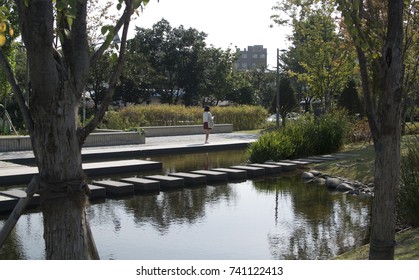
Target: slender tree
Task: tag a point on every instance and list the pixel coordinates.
(376, 28)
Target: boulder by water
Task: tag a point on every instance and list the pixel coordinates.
(338, 183)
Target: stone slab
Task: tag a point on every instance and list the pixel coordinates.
(252, 171)
(233, 174)
(142, 184)
(269, 168)
(191, 179)
(299, 163)
(23, 175)
(18, 193)
(167, 182)
(120, 167)
(115, 187)
(213, 176)
(7, 203)
(97, 192)
(286, 166)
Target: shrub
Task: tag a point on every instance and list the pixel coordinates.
(303, 137)
(271, 146)
(408, 200)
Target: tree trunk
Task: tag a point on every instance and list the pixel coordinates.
(387, 140)
(56, 90)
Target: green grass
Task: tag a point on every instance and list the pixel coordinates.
(407, 248)
(361, 168)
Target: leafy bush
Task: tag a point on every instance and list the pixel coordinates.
(408, 200)
(271, 146)
(303, 137)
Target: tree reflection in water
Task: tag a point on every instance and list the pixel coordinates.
(268, 218)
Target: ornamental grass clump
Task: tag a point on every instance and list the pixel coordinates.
(273, 146)
(305, 136)
(408, 200)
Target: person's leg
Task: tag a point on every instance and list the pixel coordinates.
(206, 135)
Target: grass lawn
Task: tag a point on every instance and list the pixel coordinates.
(407, 248)
(361, 168)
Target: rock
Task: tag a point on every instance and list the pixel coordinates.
(319, 181)
(344, 187)
(315, 173)
(307, 176)
(332, 183)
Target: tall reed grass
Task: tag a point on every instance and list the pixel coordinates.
(242, 117)
(408, 200)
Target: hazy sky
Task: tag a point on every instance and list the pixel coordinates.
(235, 23)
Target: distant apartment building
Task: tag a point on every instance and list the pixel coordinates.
(252, 57)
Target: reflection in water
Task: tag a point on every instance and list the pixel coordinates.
(269, 218)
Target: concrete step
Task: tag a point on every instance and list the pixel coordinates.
(269, 168)
(285, 166)
(23, 175)
(233, 174)
(299, 163)
(114, 188)
(18, 193)
(143, 185)
(167, 182)
(252, 171)
(7, 203)
(191, 179)
(213, 176)
(97, 192)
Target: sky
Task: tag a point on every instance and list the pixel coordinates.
(227, 23)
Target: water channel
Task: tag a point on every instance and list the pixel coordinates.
(274, 217)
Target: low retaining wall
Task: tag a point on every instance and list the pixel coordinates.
(23, 143)
(155, 131)
(114, 137)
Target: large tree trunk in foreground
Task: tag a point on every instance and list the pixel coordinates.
(56, 86)
(387, 138)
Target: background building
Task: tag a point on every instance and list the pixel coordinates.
(254, 56)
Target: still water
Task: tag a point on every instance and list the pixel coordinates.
(275, 217)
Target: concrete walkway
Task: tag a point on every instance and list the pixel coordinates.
(153, 146)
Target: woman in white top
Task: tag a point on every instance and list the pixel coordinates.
(208, 120)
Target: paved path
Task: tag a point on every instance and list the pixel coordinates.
(153, 145)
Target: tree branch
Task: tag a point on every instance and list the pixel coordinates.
(85, 131)
(17, 92)
(125, 16)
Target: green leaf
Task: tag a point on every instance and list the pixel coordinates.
(104, 29)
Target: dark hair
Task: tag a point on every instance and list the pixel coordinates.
(207, 108)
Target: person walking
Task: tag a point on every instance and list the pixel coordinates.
(208, 120)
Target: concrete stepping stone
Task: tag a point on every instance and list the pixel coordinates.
(120, 167)
(7, 203)
(213, 176)
(97, 192)
(115, 187)
(191, 179)
(252, 171)
(286, 166)
(269, 168)
(299, 163)
(167, 182)
(142, 184)
(18, 193)
(233, 174)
